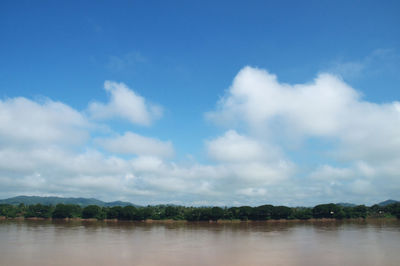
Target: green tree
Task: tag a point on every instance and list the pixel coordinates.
(360, 211)
(302, 213)
(216, 213)
(205, 214)
(147, 212)
(328, 211)
(93, 211)
(21, 209)
(129, 213)
(8, 210)
(171, 212)
(281, 212)
(233, 212)
(114, 212)
(396, 210)
(245, 212)
(261, 213)
(39, 210)
(192, 214)
(67, 211)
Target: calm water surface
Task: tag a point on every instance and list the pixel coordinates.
(126, 243)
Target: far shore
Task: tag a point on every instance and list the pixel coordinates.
(169, 221)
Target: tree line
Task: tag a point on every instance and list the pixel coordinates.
(162, 212)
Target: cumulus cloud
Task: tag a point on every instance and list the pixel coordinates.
(47, 148)
(126, 104)
(325, 108)
(233, 147)
(363, 136)
(24, 122)
(249, 169)
(131, 143)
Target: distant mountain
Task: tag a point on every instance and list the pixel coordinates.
(387, 202)
(29, 200)
(383, 203)
(119, 203)
(345, 204)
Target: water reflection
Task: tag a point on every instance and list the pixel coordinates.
(360, 242)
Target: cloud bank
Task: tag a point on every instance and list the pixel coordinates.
(131, 143)
(298, 144)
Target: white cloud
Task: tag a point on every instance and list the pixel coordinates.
(233, 147)
(131, 143)
(24, 123)
(248, 161)
(329, 173)
(125, 104)
(362, 187)
(252, 192)
(363, 135)
(46, 148)
(326, 108)
(257, 98)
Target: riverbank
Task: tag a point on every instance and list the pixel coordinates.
(170, 221)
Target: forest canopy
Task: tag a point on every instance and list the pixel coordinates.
(162, 212)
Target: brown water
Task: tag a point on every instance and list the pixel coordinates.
(376, 242)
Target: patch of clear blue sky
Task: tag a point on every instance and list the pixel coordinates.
(184, 54)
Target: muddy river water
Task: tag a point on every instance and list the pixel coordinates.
(371, 242)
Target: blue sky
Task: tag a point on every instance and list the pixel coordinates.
(208, 68)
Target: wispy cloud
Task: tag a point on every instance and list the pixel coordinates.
(377, 61)
(126, 61)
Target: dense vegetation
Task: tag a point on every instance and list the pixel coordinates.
(161, 212)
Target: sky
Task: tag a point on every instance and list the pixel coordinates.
(223, 103)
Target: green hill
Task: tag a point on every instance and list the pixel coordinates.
(30, 200)
(387, 202)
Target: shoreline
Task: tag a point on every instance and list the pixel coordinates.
(171, 221)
